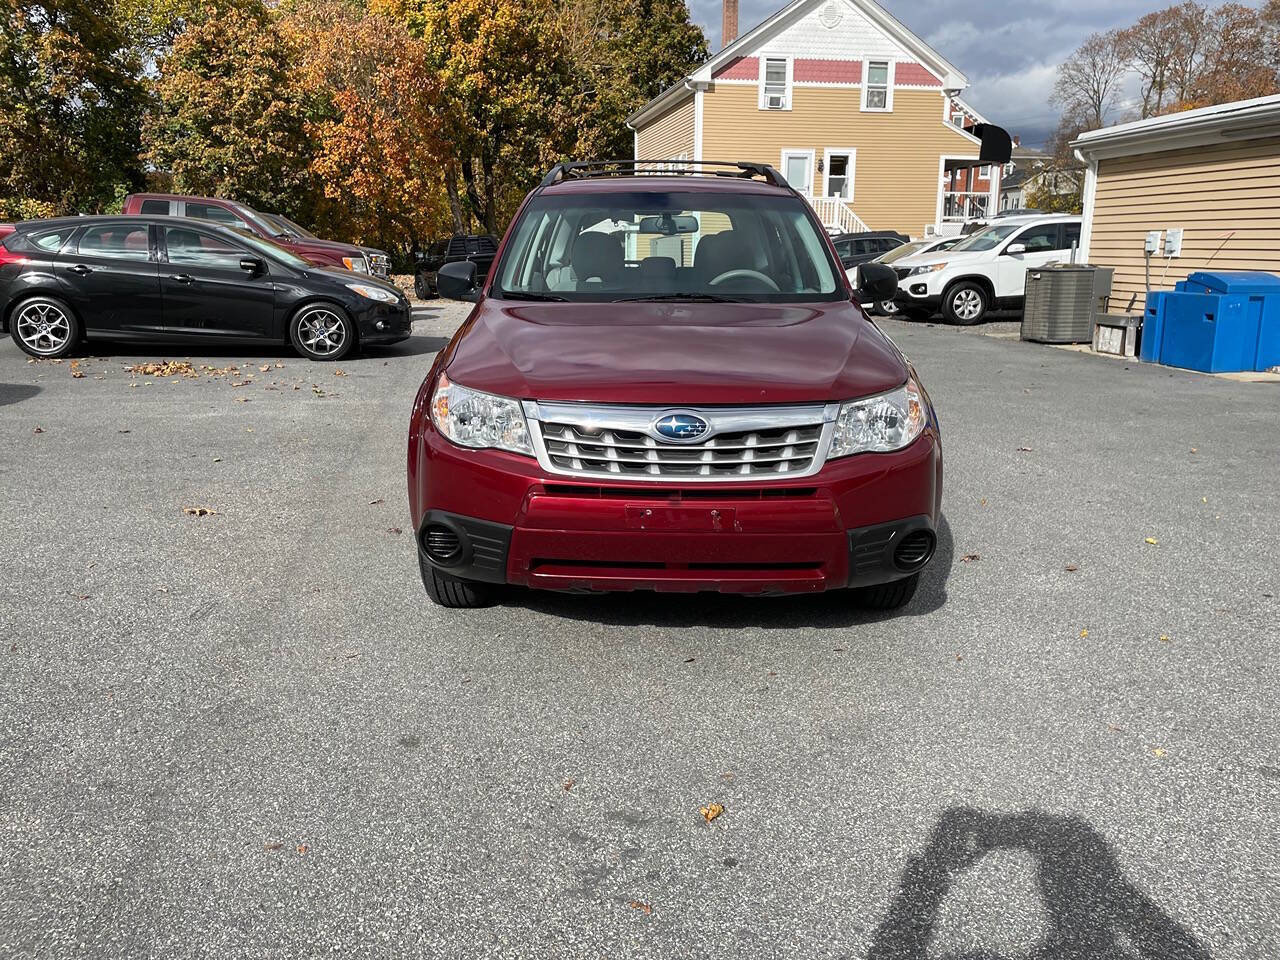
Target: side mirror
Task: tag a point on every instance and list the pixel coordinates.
(457, 281)
(252, 265)
(876, 282)
(1014, 249)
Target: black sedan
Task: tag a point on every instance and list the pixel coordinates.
(856, 248)
(171, 278)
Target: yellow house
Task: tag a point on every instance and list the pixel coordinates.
(1205, 183)
(856, 111)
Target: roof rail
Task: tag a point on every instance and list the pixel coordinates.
(592, 169)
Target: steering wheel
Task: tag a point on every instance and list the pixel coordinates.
(745, 274)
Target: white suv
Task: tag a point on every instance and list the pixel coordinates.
(987, 270)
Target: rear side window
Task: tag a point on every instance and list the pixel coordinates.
(116, 241)
(51, 240)
(1040, 238)
(156, 207)
(215, 214)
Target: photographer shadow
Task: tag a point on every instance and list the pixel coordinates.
(1093, 912)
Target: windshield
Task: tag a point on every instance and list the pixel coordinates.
(283, 225)
(668, 246)
(987, 238)
(906, 250)
(273, 250)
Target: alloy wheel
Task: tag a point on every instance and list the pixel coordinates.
(967, 304)
(322, 331)
(889, 307)
(43, 327)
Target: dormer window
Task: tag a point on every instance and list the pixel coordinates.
(877, 85)
(775, 83)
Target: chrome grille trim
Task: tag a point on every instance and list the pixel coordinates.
(743, 444)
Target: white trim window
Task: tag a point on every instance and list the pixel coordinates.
(877, 86)
(839, 166)
(984, 172)
(797, 169)
(775, 83)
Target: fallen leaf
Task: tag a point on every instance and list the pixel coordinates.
(163, 589)
(217, 459)
(970, 557)
(374, 503)
(279, 365)
(837, 649)
(568, 784)
(242, 399)
(1204, 499)
(1114, 729)
(1194, 450)
(199, 512)
(1024, 450)
(82, 596)
(1151, 540)
(264, 368)
(959, 657)
(644, 908)
(169, 368)
(983, 501)
(711, 811)
(339, 372)
(1164, 638)
(273, 846)
(302, 849)
(76, 372)
(691, 659)
(394, 530)
(38, 430)
(124, 431)
(1084, 633)
(1160, 751)
(1071, 568)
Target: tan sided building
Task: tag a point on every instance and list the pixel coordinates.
(859, 114)
(1207, 180)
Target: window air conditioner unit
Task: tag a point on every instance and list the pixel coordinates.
(775, 101)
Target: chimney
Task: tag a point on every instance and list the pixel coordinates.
(728, 23)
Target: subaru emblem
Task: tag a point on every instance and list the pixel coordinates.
(680, 427)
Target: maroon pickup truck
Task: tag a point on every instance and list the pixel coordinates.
(228, 213)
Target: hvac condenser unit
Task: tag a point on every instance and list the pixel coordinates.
(1061, 304)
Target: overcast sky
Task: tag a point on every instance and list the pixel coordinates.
(1009, 51)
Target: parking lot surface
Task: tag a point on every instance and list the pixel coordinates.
(250, 734)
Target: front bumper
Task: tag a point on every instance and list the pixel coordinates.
(384, 322)
(841, 527)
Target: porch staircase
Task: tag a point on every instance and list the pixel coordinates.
(837, 216)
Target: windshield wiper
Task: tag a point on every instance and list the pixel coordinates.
(531, 295)
(689, 297)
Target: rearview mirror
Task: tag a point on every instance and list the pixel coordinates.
(252, 265)
(669, 225)
(876, 282)
(457, 281)
(1014, 249)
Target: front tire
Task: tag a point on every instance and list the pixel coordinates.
(887, 596)
(966, 304)
(454, 592)
(322, 331)
(44, 326)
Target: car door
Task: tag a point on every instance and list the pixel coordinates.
(111, 276)
(206, 291)
(1042, 243)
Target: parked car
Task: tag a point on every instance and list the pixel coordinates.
(151, 278)
(856, 248)
(479, 249)
(667, 383)
(986, 270)
(228, 213)
(290, 230)
(888, 308)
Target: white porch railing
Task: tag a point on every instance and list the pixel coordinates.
(836, 215)
(961, 205)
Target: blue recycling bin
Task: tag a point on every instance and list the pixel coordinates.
(1216, 323)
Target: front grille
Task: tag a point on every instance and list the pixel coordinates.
(753, 453)
(379, 265)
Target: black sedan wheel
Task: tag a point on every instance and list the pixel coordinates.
(44, 327)
(322, 331)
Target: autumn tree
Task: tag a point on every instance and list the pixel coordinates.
(70, 100)
(373, 123)
(1091, 79)
(229, 117)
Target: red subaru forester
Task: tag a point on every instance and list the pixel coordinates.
(667, 383)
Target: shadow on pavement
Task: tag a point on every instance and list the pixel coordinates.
(1092, 911)
(160, 349)
(16, 393)
(833, 609)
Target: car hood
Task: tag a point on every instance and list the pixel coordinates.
(947, 256)
(681, 354)
(343, 276)
(307, 245)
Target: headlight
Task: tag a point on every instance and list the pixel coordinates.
(473, 419)
(928, 268)
(879, 424)
(355, 263)
(373, 293)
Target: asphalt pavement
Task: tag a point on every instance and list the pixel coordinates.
(250, 734)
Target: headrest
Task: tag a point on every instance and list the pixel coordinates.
(597, 256)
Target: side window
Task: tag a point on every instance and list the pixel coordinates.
(52, 240)
(160, 207)
(844, 248)
(1071, 234)
(774, 86)
(877, 85)
(116, 241)
(215, 214)
(195, 249)
(1040, 238)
